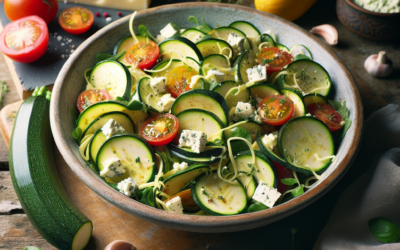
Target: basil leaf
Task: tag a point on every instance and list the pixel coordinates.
(193, 20)
(385, 231)
(289, 181)
(347, 124)
(77, 135)
(336, 105)
(237, 145)
(206, 28)
(297, 191)
(343, 111)
(148, 197)
(256, 207)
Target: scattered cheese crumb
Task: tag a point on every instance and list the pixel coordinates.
(108, 19)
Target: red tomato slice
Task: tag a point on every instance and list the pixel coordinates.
(76, 20)
(274, 59)
(25, 40)
(282, 174)
(91, 96)
(160, 129)
(143, 54)
(327, 115)
(276, 110)
(178, 80)
(16, 9)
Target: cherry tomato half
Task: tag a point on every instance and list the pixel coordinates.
(327, 115)
(160, 129)
(276, 109)
(25, 40)
(91, 96)
(283, 173)
(186, 198)
(178, 80)
(76, 20)
(16, 9)
(274, 59)
(143, 54)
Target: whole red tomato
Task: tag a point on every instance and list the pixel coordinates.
(16, 9)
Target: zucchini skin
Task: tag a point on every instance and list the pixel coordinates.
(35, 177)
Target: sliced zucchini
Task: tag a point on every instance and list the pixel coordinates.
(266, 38)
(209, 151)
(232, 100)
(125, 44)
(282, 47)
(310, 77)
(253, 128)
(214, 46)
(121, 118)
(194, 160)
(299, 107)
(161, 65)
(272, 154)
(265, 170)
(218, 197)
(179, 47)
(147, 96)
(202, 99)
(223, 34)
(112, 76)
(128, 148)
(299, 49)
(176, 182)
(95, 144)
(306, 143)
(247, 28)
(94, 111)
(201, 120)
(194, 35)
(245, 178)
(260, 91)
(220, 63)
(314, 98)
(243, 62)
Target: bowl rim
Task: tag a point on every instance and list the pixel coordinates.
(373, 13)
(193, 222)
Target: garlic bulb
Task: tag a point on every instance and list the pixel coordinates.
(378, 65)
(328, 32)
(120, 245)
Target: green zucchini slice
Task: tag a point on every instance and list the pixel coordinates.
(272, 154)
(128, 148)
(247, 28)
(268, 39)
(209, 151)
(314, 98)
(232, 100)
(194, 160)
(220, 63)
(121, 118)
(243, 62)
(260, 91)
(98, 139)
(112, 76)
(245, 178)
(306, 143)
(179, 47)
(147, 96)
(194, 35)
(282, 47)
(176, 182)
(214, 46)
(299, 107)
(218, 197)
(223, 34)
(202, 99)
(125, 44)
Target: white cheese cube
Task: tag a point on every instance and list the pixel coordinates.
(180, 166)
(266, 195)
(111, 128)
(128, 187)
(196, 140)
(271, 140)
(236, 41)
(158, 85)
(175, 205)
(160, 38)
(112, 168)
(257, 73)
(168, 31)
(243, 110)
(257, 117)
(215, 75)
(166, 102)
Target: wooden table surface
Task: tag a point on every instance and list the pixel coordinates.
(15, 229)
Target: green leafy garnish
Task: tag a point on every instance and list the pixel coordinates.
(145, 33)
(204, 28)
(256, 207)
(77, 135)
(148, 197)
(297, 191)
(265, 61)
(104, 56)
(238, 145)
(137, 160)
(344, 113)
(384, 230)
(289, 181)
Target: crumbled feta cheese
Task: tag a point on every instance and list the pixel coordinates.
(128, 187)
(243, 110)
(266, 195)
(257, 73)
(112, 168)
(215, 75)
(168, 31)
(196, 140)
(342, 123)
(271, 140)
(175, 205)
(166, 102)
(308, 114)
(236, 41)
(257, 117)
(180, 166)
(160, 38)
(111, 128)
(158, 85)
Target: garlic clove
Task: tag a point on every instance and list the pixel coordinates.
(328, 32)
(378, 65)
(120, 245)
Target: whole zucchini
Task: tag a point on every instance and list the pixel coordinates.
(36, 180)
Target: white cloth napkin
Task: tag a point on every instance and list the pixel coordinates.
(375, 194)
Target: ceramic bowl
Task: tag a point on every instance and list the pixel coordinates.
(70, 83)
(369, 24)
